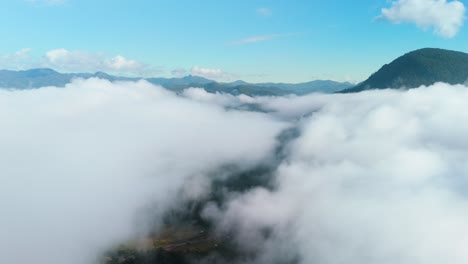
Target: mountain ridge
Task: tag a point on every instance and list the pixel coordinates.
(417, 68)
(41, 77)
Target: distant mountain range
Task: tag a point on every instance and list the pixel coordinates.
(36, 78)
(420, 67)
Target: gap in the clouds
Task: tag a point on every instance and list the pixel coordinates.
(186, 235)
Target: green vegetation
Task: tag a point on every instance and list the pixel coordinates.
(421, 67)
(175, 244)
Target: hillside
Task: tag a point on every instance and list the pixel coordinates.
(420, 67)
(36, 78)
(322, 86)
(41, 77)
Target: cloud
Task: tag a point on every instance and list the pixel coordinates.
(209, 73)
(374, 177)
(179, 72)
(446, 18)
(255, 39)
(20, 59)
(79, 61)
(264, 11)
(86, 167)
(120, 63)
(215, 74)
(224, 100)
(259, 38)
(47, 2)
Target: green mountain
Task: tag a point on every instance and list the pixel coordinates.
(36, 78)
(420, 67)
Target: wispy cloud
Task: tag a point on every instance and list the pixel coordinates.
(209, 73)
(216, 74)
(179, 72)
(264, 11)
(20, 59)
(75, 60)
(260, 38)
(47, 2)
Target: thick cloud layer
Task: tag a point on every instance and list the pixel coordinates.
(373, 177)
(82, 167)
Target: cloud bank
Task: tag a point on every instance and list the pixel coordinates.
(373, 177)
(446, 18)
(81, 165)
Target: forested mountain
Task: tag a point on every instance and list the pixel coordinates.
(420, 67)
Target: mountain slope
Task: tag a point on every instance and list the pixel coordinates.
(36, 78)
(179, 83)
(322, 86)
(42, 77)
(32, 78)
(420, 67)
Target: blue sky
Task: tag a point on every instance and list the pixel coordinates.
(254, 40)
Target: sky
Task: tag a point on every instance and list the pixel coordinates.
(252, 40)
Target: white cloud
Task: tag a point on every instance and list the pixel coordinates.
(255, 39)
(81, 165)
(120, 63)
(179, 72)
(374, 177)
(260, 38)
(264, 11)
(225, 100)
(23, 52)
(79, 61)
(47, 2)
(445, 17)
(209, 73)
(214, 74)
(19, 60)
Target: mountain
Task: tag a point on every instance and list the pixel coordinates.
(242, 87)
(180, 83)
(420, 67)
(32, 78)
(36, 78)
(323, 86)
(42, 77)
